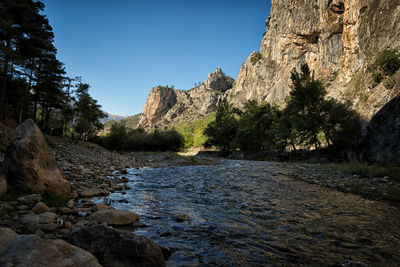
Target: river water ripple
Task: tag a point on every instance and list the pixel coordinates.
(247, 213)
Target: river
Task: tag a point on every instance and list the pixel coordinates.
(248, 213)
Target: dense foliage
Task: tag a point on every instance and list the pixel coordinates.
(32, 80)
(308, 120)
(385, 66)
(193, 132)
(122, 139)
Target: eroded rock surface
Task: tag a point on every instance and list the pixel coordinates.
(382, 142)
(338, 39)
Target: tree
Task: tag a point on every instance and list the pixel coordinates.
(254, 126)
(88, 113)
(305, 106)
(309, 117)
(23, 30)
(222, 131)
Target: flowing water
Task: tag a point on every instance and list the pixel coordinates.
(247, 213)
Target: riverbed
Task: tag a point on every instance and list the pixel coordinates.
(249, 213)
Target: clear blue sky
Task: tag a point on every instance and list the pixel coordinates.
(123, 48)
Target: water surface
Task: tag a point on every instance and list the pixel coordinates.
(247, 213)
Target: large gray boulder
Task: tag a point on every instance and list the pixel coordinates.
(382, 142)
(31, 250)
(118, 248)
(30, 163)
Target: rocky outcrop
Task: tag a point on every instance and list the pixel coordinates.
(382, 142)
(219, 81)
(166, 106)
(160, 101)
(118, 248)
(338, 39)
(30, 163)
(31, 250)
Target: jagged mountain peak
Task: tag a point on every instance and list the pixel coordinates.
(166, 106)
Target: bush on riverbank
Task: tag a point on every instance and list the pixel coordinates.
(121, 139)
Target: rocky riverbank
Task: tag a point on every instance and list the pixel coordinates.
(93, 171)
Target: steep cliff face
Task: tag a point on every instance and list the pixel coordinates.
(166, 106)
(338, 39)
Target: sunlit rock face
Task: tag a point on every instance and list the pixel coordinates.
(338, 39)
(166, 106)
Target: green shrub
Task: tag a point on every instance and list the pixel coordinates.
(255, 58)
(54, 200)
(138, 140)
(385, 66)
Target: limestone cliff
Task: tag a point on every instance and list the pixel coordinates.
(338, 39)
(166, 106)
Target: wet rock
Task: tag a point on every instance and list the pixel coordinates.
(40, 207)
(32, 250)
(166, 251)
(181, 218)
(30, 163)
(30, 200)
(118, 248)
(3, 184)
(114, 217)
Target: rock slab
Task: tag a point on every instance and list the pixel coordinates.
(382, 142)
(118, 248)
(31, 250)
(30, 163)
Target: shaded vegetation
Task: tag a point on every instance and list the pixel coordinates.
(309, 120)
(385, 66)
(32, 80)
(368, 170)
(121, 139)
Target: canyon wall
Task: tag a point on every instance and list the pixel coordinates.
(338, 39)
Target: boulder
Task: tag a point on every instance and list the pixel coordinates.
(100, 207)
(30, 200)
(40, 207)
(382, 141)
(114, 217)
(3, 184)
(118, 248)
(93, 192)
(30, 163)
(45, 221)
(31, 250)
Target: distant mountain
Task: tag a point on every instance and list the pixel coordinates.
(166, 106)
(111, 117)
